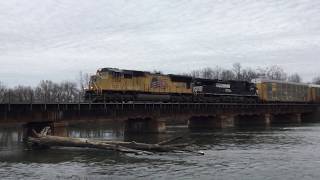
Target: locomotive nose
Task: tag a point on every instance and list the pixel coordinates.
(93, 80)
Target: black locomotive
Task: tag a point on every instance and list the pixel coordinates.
(224, 91)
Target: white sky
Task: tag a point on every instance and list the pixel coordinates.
(55, 39)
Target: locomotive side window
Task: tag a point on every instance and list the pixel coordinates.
(116, 74)
(127, 76)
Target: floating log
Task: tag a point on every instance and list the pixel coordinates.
(170, 140)
(49, 141)
(44, 140)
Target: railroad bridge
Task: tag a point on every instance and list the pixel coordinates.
(153, 117)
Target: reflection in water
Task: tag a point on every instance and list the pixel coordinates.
(282, 152)
(61, 131)
(97, 131)
(10, 138)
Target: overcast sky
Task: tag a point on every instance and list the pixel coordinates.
(55, 39)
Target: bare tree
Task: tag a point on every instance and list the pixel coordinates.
(316, 80)
(207, 73)
(195, 74)
(261, 71)
(69, 90)
(227, 75)
(81, 80)
(245, 74)
(295, 78)
(21, 94)
(44, 91)
(237, 71)
(248, 74)
(84, 80)
(3, 92)
(276, 73)
(217, 72)
(48, 91)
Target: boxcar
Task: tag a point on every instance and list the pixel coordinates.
(314, 93)
(281, 91)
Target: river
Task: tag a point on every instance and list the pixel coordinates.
(276, 152)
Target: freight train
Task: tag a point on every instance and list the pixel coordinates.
(118, 85)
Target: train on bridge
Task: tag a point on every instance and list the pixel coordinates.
(118, 85)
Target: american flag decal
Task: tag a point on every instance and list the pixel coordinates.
(156, 82)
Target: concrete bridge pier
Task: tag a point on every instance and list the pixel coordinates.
(145, 125)
(294, 118)
(211, 122)
(254, 120)
(311, 117)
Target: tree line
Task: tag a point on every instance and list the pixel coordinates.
(237, 72)
(68, 91)
(46, 91)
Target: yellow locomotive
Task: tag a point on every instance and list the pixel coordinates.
(111, 84)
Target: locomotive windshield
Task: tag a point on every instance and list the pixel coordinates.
(93, 80)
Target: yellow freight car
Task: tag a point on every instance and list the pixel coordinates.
(111, 82)
(281, 91)
(314, 93)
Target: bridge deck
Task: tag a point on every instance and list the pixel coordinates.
(22, 112)
(147, 105)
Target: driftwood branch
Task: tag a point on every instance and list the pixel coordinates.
(45, 131)
(44, 140)
(170, 140)
(49, 141)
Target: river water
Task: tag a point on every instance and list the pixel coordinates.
(277, 152)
